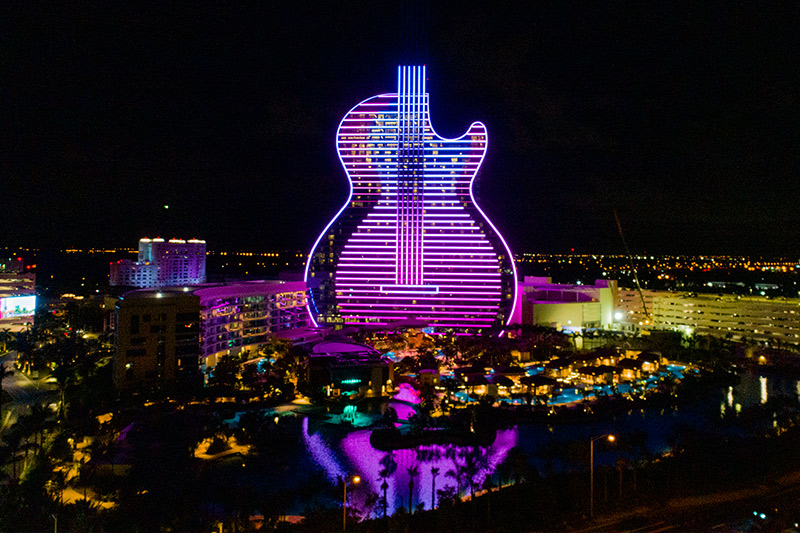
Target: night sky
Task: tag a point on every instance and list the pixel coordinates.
(684, 117)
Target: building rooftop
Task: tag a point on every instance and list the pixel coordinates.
(211, 290)
(342, 347)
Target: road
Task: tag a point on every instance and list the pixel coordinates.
(24, 392)
(772, 506)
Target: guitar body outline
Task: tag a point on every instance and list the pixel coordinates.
(410, 244)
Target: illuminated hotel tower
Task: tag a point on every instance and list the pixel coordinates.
(162, 264)
(410, 243)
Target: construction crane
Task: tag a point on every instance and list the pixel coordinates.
(633, 265)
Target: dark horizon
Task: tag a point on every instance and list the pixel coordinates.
(682, 118)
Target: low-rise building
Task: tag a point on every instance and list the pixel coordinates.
(631, 369)
(599, 375)
(347, 368)
(559, 368)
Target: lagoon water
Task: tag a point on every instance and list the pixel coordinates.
(328, 454)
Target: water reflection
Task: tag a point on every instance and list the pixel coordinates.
(321, 454)
(456, 466)
(754, 389)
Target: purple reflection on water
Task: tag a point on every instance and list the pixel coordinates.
(322, 454)
(404, 411)
(407, 393)
(455, 463)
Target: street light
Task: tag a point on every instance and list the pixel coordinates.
(610, 438)
(356, 480)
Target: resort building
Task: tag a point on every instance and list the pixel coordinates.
(773, 321)
(244, 316)
(162, 334)
(157, 340)
(568, 307)
(162, 264)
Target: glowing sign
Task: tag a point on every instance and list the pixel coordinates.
(350, 381)
(17, 306)
(410, 243)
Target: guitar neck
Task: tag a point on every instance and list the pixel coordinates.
(412, 116)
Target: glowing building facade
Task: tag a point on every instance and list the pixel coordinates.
(240, 316)
(773, 321)
(410, 243)
(567, 307)
(162, 264)
(17, 295)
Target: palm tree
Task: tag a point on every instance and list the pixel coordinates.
(458, 474)
(5, 335)
(39, 420)
(63, 374)
(475, 460)
(389, 468)
(9, 452)
(516, 465)
(3, 373)
(384, 486)
(413, 472)
(434, 473)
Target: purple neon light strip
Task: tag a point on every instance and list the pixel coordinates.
(397, 207)
(441, 259)
(487, 289)
(438, 258)
(420, 205)
(446, 290)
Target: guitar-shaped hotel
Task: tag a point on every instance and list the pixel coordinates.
(410, 243)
